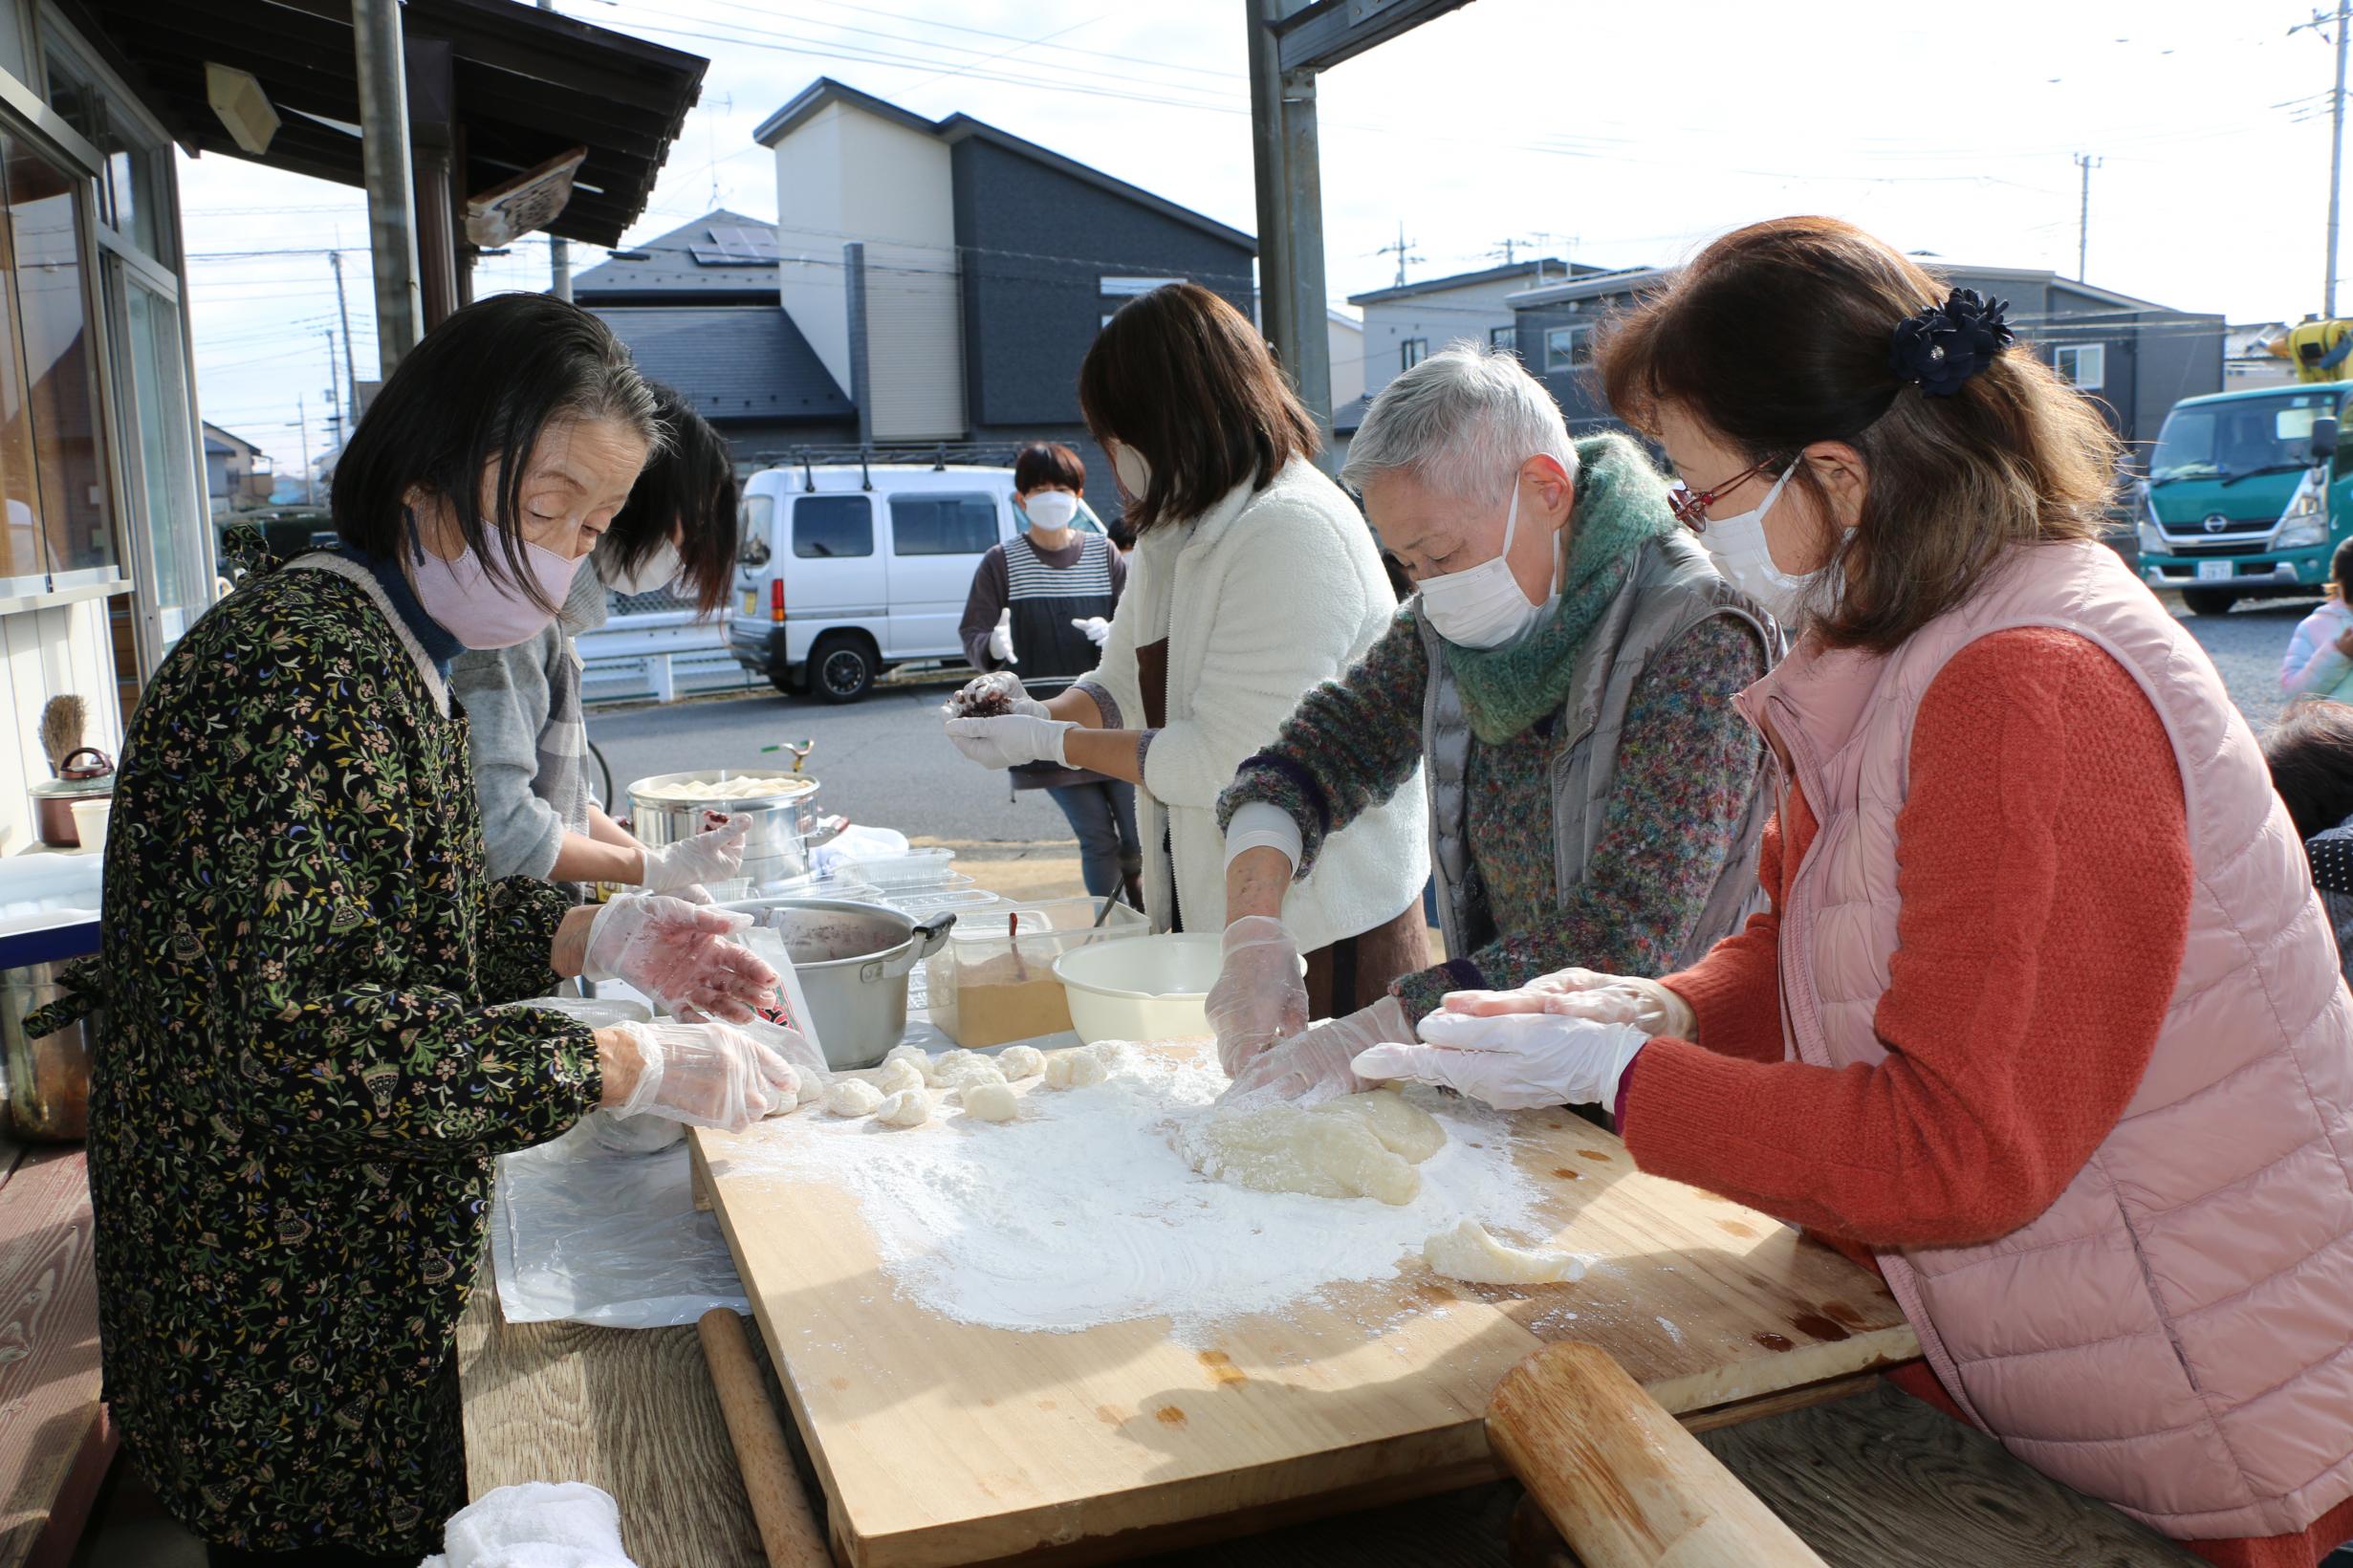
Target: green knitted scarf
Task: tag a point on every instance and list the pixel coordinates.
(1621, 504)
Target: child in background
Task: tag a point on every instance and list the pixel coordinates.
(2319, 660)
(2310, 751)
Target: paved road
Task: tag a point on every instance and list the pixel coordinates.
(884, 760)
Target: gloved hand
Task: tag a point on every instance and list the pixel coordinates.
(1315, 1067)
(984, 691)
(1001, 639)
(1011, 741)
(1588, 993)
(1260, 996)
(1513, 1063)
(678, 953)
(1097, 628)
(706, 1075)
(711, 856)
(807, 1062)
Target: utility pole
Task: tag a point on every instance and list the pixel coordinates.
(1403, 249)
(2320, 25)
(560, 249)
(342, 308)
(2083, 213)
(310, 483)
(335, 404)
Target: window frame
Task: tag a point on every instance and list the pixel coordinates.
(1411, 351)
(930, 497)
(804, 498)
(1579, 346)
(1504, 337)
(2067, 360)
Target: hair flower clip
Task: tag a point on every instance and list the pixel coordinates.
(1943, 346)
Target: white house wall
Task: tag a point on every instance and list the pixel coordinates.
(62, 648)
(850, 175)
(1439, 319)
(1348, 344)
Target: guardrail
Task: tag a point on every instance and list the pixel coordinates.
(662, 655)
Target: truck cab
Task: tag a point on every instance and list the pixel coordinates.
(2248, 496)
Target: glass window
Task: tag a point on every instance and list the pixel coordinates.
(942, 525)
(829, 527)
(133, 192)
(53, 474)
(2239, 436)
(1567, 347)
(2084, 366)
(166, 471)
(752, 533)
(1506, 339)
(1413, 351)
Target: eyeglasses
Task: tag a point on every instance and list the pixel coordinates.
(1691, 510)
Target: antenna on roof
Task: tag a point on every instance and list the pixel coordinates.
(866, 480)
(808, 477)
(939, 459)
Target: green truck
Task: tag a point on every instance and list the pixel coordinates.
(2247, 497)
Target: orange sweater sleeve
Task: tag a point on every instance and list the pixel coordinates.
(2043, 868)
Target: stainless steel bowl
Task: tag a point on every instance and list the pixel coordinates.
(784, 827)
(853, 961)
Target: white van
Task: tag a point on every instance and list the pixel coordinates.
(850, 569)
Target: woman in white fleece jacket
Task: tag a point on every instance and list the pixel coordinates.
(1254, 577)
(2319, 657)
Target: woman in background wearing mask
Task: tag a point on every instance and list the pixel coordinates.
(1253, 581)
(304, 1076)
(2045, 1021)
(527, 733)
(1566, 672)
(1044, 603)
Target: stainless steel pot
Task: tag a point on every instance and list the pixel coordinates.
(784, 827)
(853, 961)
(48, 1079)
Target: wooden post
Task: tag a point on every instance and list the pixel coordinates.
(789, 1531)
(1620, 1478)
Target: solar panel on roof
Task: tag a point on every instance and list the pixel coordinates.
(733, 245)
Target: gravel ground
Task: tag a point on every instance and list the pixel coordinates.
(2247, 645)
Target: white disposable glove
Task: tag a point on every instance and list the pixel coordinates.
(1260, 996)
(1010, 742)
(1096, 628)
(678, 953)
(707, 1075)
(1588, 993)
(996, 684)
(1001, 639)
(711, 856)
(1513, 1063)
(1316, 1066)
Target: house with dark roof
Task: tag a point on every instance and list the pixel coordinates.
(699, 309)
(2133, 357)
(950, 276)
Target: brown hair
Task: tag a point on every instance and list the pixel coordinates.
(1778, 336)
(2310, 751)
(1048, 463)
(1184, 378)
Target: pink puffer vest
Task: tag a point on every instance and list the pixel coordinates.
(2175, 1333)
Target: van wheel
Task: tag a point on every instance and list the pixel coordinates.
(2208, 600)
(842, 667)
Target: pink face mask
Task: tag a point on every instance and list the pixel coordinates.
(480, 612)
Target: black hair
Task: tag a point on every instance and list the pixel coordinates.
(689, 487)
(2310, 750)
(473, 399)
(2340, 571)
(1041, 463)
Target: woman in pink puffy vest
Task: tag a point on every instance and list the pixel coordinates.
(2044, 1020)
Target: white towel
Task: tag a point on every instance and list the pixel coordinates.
(537, 1524)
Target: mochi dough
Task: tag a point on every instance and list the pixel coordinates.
(1020, 1062)
(1360, 1146)
(990, 1101)
(915, 1057)
(1075, 1069)
(908, 1109)
(962, 1068)
(1468, 1254)
(898, 1074)
(852, 1097)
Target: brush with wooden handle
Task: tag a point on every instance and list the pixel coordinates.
(63, 719)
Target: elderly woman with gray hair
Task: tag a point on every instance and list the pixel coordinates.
(1565, 670)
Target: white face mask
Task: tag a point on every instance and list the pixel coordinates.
(1134, 470)
(655, 573)
(1482, 606)
(1051, 510)
(1737, 546)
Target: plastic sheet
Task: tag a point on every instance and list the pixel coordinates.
(607, 1240)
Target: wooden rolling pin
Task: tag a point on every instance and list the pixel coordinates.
(1620, 1478)
(788, 1531)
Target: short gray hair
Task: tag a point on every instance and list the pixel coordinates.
(1462, 421)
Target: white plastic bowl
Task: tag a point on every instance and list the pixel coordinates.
(1145, 987)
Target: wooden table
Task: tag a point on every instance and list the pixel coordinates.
(54, 1438)
(940, 1443)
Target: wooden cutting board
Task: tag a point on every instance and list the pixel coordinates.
(940, 1443)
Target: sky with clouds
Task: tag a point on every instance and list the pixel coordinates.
(1617, 135)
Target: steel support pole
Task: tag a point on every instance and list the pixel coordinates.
(1291, 286)
(383, 157)
(560, 249)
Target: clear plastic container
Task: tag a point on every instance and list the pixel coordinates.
(911, 869)
(995, 980)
